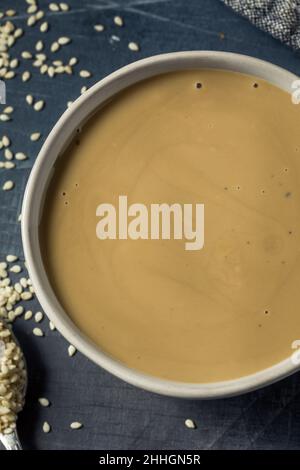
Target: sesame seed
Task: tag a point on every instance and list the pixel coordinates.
(32, 9)
(62, 41)
(64, 6)
(53, 7)
(10, 13)
(16, 268)
(39, 46)
(54, 47)
(133, 46)
(44, 27)
(99, 28)
(44, 402)
(20, 156)
(8, 154)
(72, 350)
(8, 185)
(4, 117)
(8, 165)
(19, 310)
(190, 424)
(38, 317)
(6, 141)
(26, 76)
(29, 99)
(9, 75)
(39, 15)
(73, 61)
(26, 295)
(14, 63)
(35, 136)
(11, 258)
(39, 105)
(85, 74)
(28, 315)
(118, 21)
(38, 332)
(46, 425)
(51, 326)
(76, 425)
(8, 110)
(31, 20)
(26, 55)
(44, 69)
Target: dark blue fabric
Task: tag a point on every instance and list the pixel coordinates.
(116, 415)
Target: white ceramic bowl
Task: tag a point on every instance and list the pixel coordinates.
(58, 139)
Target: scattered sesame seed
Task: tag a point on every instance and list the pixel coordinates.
(39, 46)
(8, 110)
(118, 20)
(46, 427)
(28, 315)
(11, 258)
(99, 28)
(39, 105)
(26, 76)
(8, 185)
(73, 61)
(8, 154)
(6, 141)
(64, 6)
(133, 46)
(38, 317)
(26, 55)
(44, 402)
(35, 136)
(76, 425)
(20, 156)
(85, 74)
(4, 117)
(190, 424)
(54, 47)
(16, 268)
(72, 350)
(53, 7)
(29, 99)
(38, 332)
(62, 41)
(44, 27)
(7, 165)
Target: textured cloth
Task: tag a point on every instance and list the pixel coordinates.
(281, 18)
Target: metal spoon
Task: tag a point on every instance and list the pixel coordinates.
(11, 441)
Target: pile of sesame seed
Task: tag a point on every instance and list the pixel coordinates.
(12, 380)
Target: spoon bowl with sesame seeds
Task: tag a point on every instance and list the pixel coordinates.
(13, 385)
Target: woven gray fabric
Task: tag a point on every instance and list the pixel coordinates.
(281, 18)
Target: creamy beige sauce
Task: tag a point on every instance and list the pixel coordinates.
(228, 310)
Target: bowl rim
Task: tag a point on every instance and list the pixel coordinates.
(36, 188)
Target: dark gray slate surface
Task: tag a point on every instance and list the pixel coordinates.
(116, 415)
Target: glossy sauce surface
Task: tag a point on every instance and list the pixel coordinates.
(224, 139)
